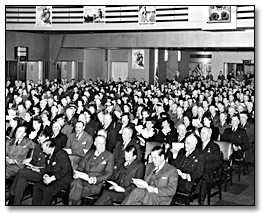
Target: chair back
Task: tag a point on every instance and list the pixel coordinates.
(225, 148)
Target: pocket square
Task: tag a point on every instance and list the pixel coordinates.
(103, 162)
(53, 163)
(24, 146)
(83, 143)
(164, 178)
(196, 160)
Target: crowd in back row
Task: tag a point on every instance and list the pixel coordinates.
(74, 116)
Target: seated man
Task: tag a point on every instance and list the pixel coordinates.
(132, 168)
(16, 151)
(238, 137)
(57, 175)
(162, 180)
(34, 171)
(211, 152)
(119, 150)
(59, 138)
(189, 163)
(96, 166)
(78, 144)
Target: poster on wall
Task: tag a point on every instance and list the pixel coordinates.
(201, 69)
(147, 15)
(219, 13)
(137, 59)
(94, 14)
(44, 16)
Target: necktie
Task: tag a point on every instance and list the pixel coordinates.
(77, 137)
(126, 164)
(17, 142)
(155, 170)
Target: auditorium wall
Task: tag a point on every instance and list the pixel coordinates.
(219, 58)
(37, 45)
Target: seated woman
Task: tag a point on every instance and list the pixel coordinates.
(167, 134)
(125, 122)
(207, 122)
(146, 133)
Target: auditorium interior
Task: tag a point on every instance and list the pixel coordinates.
(171, 47)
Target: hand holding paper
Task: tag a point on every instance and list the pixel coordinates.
(140, 183)
(81, 175)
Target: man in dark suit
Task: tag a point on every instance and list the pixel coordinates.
(189, 163)
(132, 168)
(111, 132)
(248, 126)
(211, 152)
(162, 180)
(223, 125)
(238, 137)
(78, 144)
(96, 166)
(59, 139)
(57, 176)
(34, 171)
(16, 151)
(119, 151)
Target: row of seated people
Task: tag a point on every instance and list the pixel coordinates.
(100, 164)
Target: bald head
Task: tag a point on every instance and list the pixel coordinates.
(190, 143)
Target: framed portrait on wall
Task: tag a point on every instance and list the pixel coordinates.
(147, 15)
(219, 14)
(44, 16)
(137, 59)
(94, 14)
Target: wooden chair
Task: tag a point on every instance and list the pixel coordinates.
(61, 197)
(188, 195)
(216, 182)
(226, 171)
(239, 165)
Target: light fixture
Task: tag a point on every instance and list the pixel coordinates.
(166, 55)
(179, 55)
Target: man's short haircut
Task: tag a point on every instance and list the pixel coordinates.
(132, 149)
(161, 150)
(208, 129)
(38, 119)
(44, 133)
(130, 129)
(80, 122)
(52, 143)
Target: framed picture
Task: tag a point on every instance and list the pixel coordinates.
(94, 14)
(137, 59)
(147, 15)
(44, 16)
(219, 14)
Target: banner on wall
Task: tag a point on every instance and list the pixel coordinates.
(219, 14)
(147, 15)
(94, 14)
(137, 59)
(44, 16)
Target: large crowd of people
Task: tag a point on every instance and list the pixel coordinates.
(87, 135)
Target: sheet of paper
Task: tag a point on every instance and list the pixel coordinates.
(68, 150)
(140, 183)
(82, 175)
(177, 146)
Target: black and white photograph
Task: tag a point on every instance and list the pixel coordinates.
(120, 115)
(147, 15)
(94, 14)
(44, 16)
